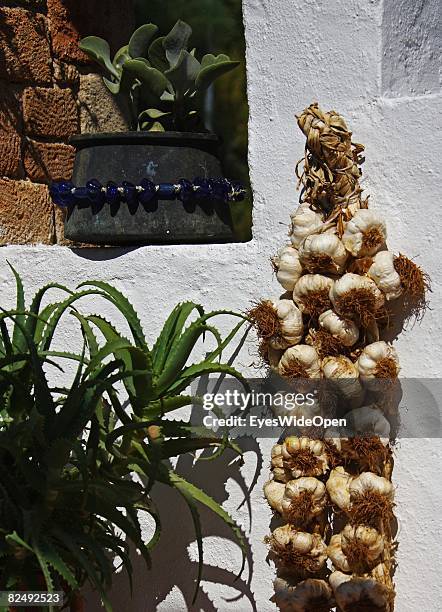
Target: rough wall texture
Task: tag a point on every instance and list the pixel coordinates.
(42, 103)
(297, 52)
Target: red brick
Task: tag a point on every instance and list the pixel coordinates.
(25, 53)
(26, 213)
(70, 20)
(51, 113)
(48, 161)
(10, 132)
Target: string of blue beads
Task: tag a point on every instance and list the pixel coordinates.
(65, 194)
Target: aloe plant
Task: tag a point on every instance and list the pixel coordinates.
(68, 503)
(159, 76)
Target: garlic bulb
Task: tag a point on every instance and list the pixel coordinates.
(356, 548)
(301, 361)
(365, 233)
(297, 457)
(351, 592)
(323, 253)
(287, 266)
(344, 330)
(339, 367)
(312, 294)
(278, 322)
(357, 297)
(378, 360)
(338, 488)
(384, 274)
(274, 492)
(367, 482)
(303, 222)
(304, 498)
(345, 376)
(368, 420)
(337, 555)
(296, 551)
(362, 544)
(371, 498)
(308, 595)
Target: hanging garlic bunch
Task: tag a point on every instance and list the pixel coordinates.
(297, 552)
(287, 266)
(308, 595)
(365, 233)
(278, 322)
(297, 457)
(312, 294)
(323, 253)
(342, 280)
(301, 361)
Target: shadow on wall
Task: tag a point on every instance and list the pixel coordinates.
(171, 564)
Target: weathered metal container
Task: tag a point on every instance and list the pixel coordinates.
(162, 157)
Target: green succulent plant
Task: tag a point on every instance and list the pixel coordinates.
(159, 76)
(68, 502)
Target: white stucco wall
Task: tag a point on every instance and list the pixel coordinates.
(376, 63)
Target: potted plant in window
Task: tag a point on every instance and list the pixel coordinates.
(161, 182)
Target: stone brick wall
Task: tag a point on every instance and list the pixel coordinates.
(48, 92)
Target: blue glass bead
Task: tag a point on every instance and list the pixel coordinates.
(61, 193)
(95, 192)
(81, 193)
(148, 193)
(221, 188)
(130, 192)
(204, 190)
(186, 193)
(166, 191)
(112, 193)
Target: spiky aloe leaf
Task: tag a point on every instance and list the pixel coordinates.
(193, 372)
(18, 340)
(124, 306)
(171, 330)
(179, 354)
(53, 558)
(67, 538)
